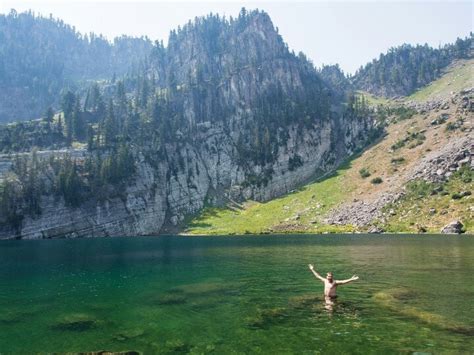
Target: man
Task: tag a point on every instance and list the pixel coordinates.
(330, 284)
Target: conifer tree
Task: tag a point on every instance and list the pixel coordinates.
(48, 117)
(79, 126)
(110, 126)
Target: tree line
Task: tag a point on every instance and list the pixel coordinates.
(406, 68)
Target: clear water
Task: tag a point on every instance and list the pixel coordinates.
(226, 295)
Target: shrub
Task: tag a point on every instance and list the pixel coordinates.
(465, 174)
(440, 120)
(420, 188)
(399, 144)
(404, 113)
(397, 161)
(416, 139)
(415, 144)
(451, 127)
(377, 180)
(364, 173)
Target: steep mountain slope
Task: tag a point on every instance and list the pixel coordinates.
(456, 77)
(41, 56)
(424, 163)
(224, 112)
(403, 69)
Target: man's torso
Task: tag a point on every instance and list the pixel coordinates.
(330, 288)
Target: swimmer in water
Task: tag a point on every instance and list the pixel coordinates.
(330, 285)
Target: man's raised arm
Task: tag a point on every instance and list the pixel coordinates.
(311, 267)
(342, 282)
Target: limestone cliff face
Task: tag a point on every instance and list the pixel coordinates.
(218, 84)
(156, 198)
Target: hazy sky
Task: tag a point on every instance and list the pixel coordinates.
(350, 33)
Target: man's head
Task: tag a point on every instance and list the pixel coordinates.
(329, 276)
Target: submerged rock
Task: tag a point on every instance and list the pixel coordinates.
(396, 299)
(455, 227)
(171, 298)
(264, 318)
(105, 352)
(77, 322)
(11, 318)
(177, 346)
(129, 334)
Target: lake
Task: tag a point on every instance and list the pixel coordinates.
(251, 294)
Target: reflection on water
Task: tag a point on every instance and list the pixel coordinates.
(246, 295)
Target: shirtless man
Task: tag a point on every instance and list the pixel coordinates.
(330, 284)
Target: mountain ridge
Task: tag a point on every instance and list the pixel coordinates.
(97, 58)
(195, 127)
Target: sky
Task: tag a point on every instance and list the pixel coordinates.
(350, 33)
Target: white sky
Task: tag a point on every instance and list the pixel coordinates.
(350, 33)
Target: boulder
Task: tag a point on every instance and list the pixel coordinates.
(455, 227)
(421, 229)
(376, 230)
(77, 322)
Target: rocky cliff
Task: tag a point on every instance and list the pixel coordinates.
(235, 91)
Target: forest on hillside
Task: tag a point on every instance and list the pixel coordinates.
(406, 68)
(42, 56)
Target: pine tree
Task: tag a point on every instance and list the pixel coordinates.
(59, 126)
(90, 137)
(110, 126)
(78, 124)
(32, 189)
(48, 117)
(68, 105)
(145, 92)
(122, 106)
(155, 114)
(10, 205)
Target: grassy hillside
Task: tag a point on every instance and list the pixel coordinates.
(373, 100)
(391, 160)
(458, 76)
(300, 211)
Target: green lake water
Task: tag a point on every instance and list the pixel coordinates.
(225, 295)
